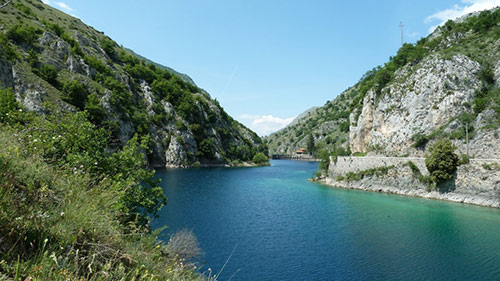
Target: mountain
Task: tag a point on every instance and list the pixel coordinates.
(56, 63)
(329, 126)
(444, 86)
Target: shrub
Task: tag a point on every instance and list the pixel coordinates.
(7, 51)
(414, 168)
(420, 140)
(75, 93)
(183, 245)
(96, 113)
(23, 34)
(8, 105)
(57, 29)
(442, 162)
(344, 127)
(109, 47)
(260, 158)
(48, 73)
(98, 65)
(464, 159)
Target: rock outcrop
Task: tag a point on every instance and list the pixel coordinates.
(475, 183)
(46, 57)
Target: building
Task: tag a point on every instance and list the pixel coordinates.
(301, 151)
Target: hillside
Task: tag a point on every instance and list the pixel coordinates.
(54, 62)
(440, 87)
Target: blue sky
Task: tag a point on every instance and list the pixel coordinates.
(267, 61)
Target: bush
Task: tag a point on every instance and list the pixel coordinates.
(7, 51)
(183, 245)
(260, 158)
(109, 47)
(8, 105)
(48, 73)
(98, 65)
(414, 168)
(344, 127)
(23, 34)
(420, 140)
(75, 93)
(442, 162)
(57, 29)
(96, 113)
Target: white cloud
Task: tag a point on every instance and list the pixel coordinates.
(264, 124)
(61, 5)
(64, 6)
(468, 6)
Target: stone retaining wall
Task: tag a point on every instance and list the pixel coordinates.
(474, 183)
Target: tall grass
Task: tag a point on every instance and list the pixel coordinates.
(61, 225)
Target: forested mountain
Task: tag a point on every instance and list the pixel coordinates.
(54, 63)
(441, 87)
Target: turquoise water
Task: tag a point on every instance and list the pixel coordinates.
(279, 226)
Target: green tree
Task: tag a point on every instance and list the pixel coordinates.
(442, 162)
(310, 143)
(260, 158)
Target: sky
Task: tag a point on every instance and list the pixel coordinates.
(267, 61)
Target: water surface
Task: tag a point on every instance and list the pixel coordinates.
(279, 226)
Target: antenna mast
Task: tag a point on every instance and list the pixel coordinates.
(401, 26)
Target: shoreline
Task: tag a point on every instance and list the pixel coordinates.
(416, 193)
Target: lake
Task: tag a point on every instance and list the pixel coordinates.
(275, 225)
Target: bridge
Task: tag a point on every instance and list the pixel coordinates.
(300, 157)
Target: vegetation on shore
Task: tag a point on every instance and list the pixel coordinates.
(71, 209)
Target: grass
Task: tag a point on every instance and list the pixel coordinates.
(491, 166)
(61, 225)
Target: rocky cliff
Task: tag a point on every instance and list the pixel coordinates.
(477, 182)
(54, 62)
(444, 86)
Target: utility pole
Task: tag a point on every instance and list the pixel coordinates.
(467, 138)
(401, 26)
